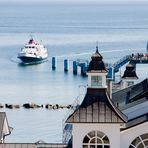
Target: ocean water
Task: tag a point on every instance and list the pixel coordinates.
(68, 31)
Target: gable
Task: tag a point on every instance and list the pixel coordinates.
(2, 119)
(98, 112)
(97, 108)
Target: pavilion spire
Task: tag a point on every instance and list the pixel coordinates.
(97, 47)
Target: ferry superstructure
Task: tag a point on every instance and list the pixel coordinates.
(33, 53)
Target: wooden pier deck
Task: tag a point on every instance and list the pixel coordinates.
(132, 59)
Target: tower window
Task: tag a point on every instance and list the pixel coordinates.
(129, 83)
(140, 142)
(96, 81)
(96, 139)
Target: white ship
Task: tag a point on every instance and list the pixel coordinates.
(33, 53)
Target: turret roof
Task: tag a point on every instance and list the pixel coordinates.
(130, 72)
(96, 64)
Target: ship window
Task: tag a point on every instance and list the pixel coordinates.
(96, 81)
(96, 139)
(140, 142)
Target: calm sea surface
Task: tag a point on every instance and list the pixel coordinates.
(68, 31)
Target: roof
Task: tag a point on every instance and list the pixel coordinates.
(32, 145)
(136, 121)
(131, 94)
(130, 72)
(8, 129)
(97, 107)
(2, 119)
(96, 63)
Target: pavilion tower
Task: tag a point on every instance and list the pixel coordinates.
(129, 77)
(96, 121)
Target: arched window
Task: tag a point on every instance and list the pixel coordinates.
(96, 139)
(140, 142)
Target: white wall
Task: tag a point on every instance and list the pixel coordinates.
(125, 82)
(111, 130)
(129, 135)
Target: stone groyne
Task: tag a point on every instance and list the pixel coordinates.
(34, 106)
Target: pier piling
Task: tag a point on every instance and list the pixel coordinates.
(83, 69)
(66, 65)
(75, 68)
(53, 63)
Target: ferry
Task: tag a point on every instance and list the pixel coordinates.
(33, 53)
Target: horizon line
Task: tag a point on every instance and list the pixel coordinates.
(76, 1)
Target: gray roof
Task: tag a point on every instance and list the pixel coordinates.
(131, 94)
(32, 145)
(2, 119)
(97, 107)
(136, 121)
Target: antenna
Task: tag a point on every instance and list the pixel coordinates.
(97, 47)
(31, 36)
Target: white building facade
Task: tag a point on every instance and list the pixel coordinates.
(98, 122)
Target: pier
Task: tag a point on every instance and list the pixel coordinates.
(132, 59)
(117, 65)
(139, 59)
(112, 68)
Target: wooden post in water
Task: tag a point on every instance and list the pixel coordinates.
(75, 67)
(53, 63)
(66, 65)
(83, 69)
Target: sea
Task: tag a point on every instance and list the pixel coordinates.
(69, 31)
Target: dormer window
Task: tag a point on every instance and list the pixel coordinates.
(96, 81)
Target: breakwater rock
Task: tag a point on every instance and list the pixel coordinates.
(34, 106)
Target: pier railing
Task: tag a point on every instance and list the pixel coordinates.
(120, 63)
(67, 127)
(32, 145)
(139, 59)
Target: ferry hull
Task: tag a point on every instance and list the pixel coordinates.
(31, 60)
